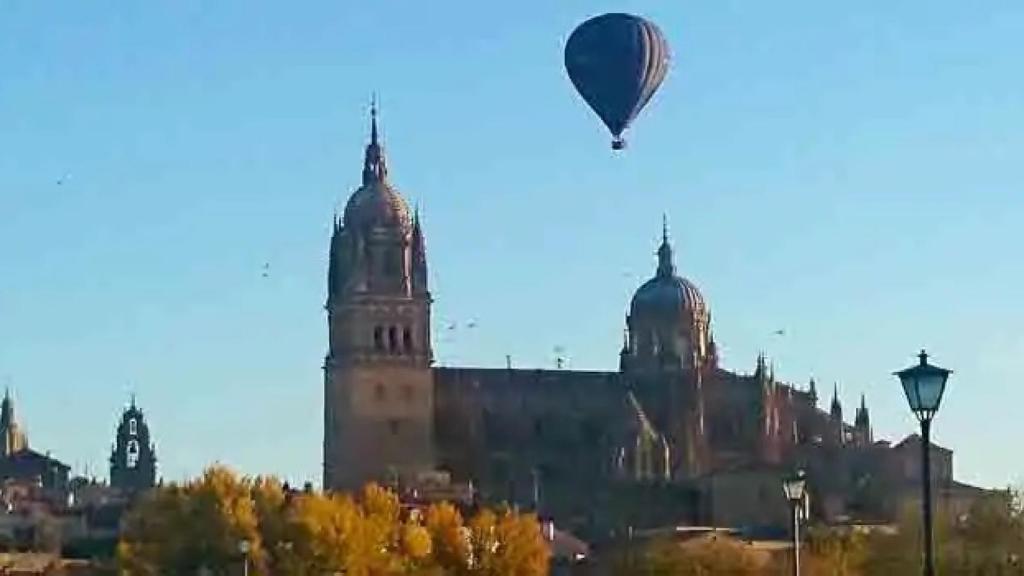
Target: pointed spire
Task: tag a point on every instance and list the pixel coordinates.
(813, 391)
(420, 281)
(666, 268)
(374, 165)
(836, 409)
(373, 120)
(7, 408)
(862, 419)
(417, 233)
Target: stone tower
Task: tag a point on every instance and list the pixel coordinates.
(133, 457)
(378, 383)
(862, 435)
(12, 439)
(835, 412)
(668, 350)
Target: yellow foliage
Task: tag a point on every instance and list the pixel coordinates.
(181, 529)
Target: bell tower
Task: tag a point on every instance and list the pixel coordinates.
(133, 457)
(378, 383)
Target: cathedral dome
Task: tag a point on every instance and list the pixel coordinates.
(376, 203)
(668, 320)
(666, 295)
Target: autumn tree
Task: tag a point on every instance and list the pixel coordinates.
(183, 529)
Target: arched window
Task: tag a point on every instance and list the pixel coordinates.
(132, 457)
(133, 427)
(378, 338)
(407, 339)
(393, 339)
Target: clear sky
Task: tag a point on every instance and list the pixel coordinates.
(847, 172)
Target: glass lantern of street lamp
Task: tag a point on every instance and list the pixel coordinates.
(794, 487)
(244, 546)
(924, 385)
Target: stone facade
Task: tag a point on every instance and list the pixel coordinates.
(671, 427)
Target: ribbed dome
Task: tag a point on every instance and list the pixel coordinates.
(376, 203)
(665, 296)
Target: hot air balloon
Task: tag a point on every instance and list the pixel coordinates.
(616, 62)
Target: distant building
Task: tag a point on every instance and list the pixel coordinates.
(133, 457)
(19, 463)
(14, 439)
(672, 435)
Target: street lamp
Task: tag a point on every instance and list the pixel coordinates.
(244, 546)
(794, 486)
(924, 385)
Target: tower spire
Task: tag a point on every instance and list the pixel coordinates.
(373, 119)
(7, 411)
(836, 410)
(374, 166)
(666, 268)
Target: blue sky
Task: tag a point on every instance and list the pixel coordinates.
(847, 172)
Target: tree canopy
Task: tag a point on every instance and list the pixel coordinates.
(197, 528)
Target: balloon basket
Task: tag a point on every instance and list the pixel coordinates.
(618, 144)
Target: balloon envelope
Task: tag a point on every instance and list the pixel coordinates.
(616, 62)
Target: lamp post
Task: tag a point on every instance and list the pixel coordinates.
(244, 547)
(924, 385)
(794, 487)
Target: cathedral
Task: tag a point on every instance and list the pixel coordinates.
(671, 432)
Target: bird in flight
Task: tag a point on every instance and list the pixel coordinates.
(779, 332)
(266, 270)
(64, 179)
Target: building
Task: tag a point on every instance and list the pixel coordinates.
(133, 456)
(19, 463)
(672, 432)
(14, 439)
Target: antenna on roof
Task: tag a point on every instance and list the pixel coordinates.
(559, 357)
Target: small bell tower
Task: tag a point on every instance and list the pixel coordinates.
(133, 457)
